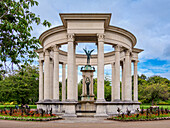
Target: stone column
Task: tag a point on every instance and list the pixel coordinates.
(100, 107)
(123, 80)
(128, 88)
(70, 107)
(41, 87)
(56, 74)
(117, 74)
(63, 82)
(76, 84)
(51, 78)
(113, 82)
(47, 76)
(135, 81)
(70, 69)
(100, 69)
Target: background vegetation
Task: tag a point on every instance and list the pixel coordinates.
(22, 87)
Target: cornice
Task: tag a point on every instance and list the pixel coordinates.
(123, 32)
(39, 50)
(137, 50)
(85, 16)
(49, 32)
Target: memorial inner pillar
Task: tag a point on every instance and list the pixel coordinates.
(117, 74)
(63, 82)
(76, 84)
(128, 95)
(70, 69)
(135, 81)
(47, 76)
(113, 82)
(56, 73)
(51, 78)
(123, 80)
(100, 69)
(41, 85)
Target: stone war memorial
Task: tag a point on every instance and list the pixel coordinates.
(87, 28)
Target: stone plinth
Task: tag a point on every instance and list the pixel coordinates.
(87, 89)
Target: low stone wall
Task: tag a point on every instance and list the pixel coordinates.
(93, 108)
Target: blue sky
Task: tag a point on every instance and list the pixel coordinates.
(148, 20)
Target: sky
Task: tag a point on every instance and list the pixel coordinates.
(148, 20)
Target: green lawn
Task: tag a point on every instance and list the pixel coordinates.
(7, 106)
(145, 106)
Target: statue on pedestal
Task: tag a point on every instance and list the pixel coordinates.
(88, 54)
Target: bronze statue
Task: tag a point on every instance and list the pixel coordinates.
(88, 54)
(87, 85)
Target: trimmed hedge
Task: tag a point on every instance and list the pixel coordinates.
(13, 106)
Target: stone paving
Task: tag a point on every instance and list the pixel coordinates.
(85, 123)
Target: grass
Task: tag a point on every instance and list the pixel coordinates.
(13, 106)
(145, 106)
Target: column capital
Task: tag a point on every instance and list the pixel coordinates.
(117, 48)
(47, 52)
(51, 61)
(127, 52)
(40, 61)
(70, 37)
(135, 62)
(63, 64)
(55, 48)
(101, 37)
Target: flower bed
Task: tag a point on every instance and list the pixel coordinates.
(143, 115)
(29, 118)
(27, 115)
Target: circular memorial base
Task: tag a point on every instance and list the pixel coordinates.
(88, 108)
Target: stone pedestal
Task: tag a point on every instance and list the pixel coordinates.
(87, 89)
(70, 109)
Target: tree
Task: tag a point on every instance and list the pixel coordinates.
(21, 86)
(153, 89)
(17, 45)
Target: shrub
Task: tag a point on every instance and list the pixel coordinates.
(163, 103)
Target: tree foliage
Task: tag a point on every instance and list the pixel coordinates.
(153, 89)
(21, 86)
(17, 45)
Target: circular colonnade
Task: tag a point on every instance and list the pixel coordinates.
(94, 28)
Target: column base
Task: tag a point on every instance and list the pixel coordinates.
(69, 116)
(71, 100)
(47, 100)
(100, 100)
(100, 115)
(70, 109)
(55, 100)
(116, 100)
(101, 111)
(40, 101)
(127, 100)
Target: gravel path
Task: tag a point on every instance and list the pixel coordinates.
(85, 123)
